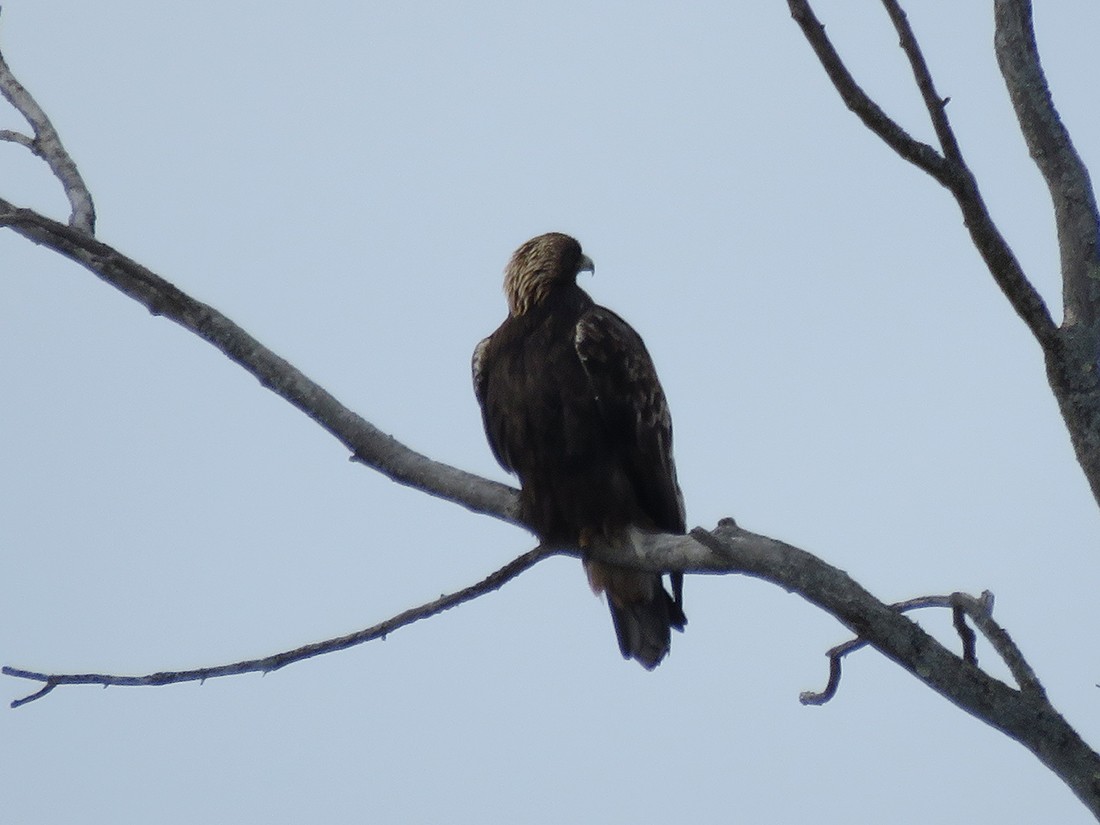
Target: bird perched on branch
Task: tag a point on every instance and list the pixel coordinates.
(572, 405)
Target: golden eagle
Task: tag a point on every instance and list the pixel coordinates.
(572, 405)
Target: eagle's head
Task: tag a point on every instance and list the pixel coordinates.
(538, 266)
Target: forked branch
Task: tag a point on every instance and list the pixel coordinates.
(949, 169)
(917, 152)
(46, 144)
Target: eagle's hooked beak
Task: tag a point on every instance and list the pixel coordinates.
(586, 265)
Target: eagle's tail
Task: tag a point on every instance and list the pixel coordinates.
(641, 609)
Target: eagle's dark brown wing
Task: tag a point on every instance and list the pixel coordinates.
(635, 413)
(480, 369)
(633, 406)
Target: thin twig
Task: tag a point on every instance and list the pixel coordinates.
(936, 105)
(280, 660)
(980, 612)
(968, 636)
(11, 136)
(47, 145)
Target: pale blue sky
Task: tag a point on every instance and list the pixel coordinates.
(347, 181)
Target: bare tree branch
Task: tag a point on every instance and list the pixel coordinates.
(1076, 216)
(17, 137)
(1071, 360)
(951, 171)
(969, 638)
(279, 660)
(46, 143)
(1069, 351)
(936, 105)
(1024, 715)
(874, 118)
(980, 612)
(367, 444)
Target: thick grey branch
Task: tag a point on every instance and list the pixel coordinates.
(1067, 178)
(47, 145)
(367, 444)
(1072, 361)
(1024, 715)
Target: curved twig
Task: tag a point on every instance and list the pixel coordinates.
(835, 654)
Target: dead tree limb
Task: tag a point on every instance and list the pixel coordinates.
(368, 445)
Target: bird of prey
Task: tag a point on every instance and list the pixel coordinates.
(572, 405)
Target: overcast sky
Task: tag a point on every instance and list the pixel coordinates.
(346, 181)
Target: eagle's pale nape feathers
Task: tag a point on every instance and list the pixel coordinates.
(572, 405)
